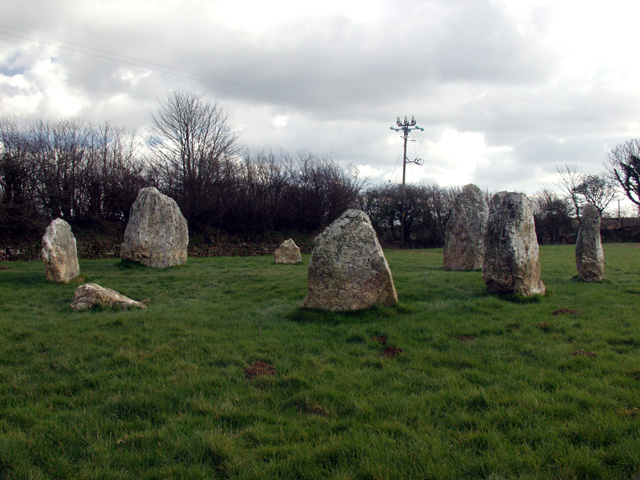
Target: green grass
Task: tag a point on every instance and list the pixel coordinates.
(161, 392)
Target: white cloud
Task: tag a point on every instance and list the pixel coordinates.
(280, 121)
(495, 83)
(368, 172)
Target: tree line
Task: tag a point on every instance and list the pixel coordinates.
(89, 174)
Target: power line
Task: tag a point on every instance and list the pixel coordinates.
(104, 57)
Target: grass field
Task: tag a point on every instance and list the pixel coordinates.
(486, 386)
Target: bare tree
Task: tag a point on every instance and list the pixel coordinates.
(194, 152)
(552, 216)
(427, 210)
(597, 190)
(582, 188)
(623, 163)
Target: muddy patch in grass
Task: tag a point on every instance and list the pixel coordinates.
(564, 311)
(382, 339)
(259, 368)
(584, 353)
(391, 352)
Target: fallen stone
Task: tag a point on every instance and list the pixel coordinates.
(511, 263)
(157, 233)
(91, 295)
(288, 252)
(59, 252)
(589, 252)
(465, 231)
(348, 270)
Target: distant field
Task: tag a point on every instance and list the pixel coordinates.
(486, 386)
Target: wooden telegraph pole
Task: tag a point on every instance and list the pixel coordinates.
(406, 127)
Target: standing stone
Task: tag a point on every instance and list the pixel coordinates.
(511, 263)
(157, 234)
(288, 252)
(348, 270)
(466, 228)
(59, 252)
(589, 253)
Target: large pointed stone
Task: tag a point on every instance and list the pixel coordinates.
(288, 252)
(157, 234)
(465, 231)
(589, 252)
(59, 252)
(348, 270)
(511, 263)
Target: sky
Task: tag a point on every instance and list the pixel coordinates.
(505, 90)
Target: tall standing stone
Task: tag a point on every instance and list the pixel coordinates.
(348, 270)
(589, 253)
(465, 231)
(288, 252)
(59, 252)
(511, 263)
(157, 234)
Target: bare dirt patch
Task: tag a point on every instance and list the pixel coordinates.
(391, 352)
(318, 410)
(382, 339)
(628, 412)
(584, 353)
(259, 368)
(563, 311)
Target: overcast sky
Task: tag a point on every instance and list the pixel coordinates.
(504, 89)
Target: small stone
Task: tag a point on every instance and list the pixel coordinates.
(59, 252)
(90, 295)
(288, 252)
(465, 231)
(348, 270)
(589, 252)
(157, 233)
(511, 263)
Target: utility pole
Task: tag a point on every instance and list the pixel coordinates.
(406, 127)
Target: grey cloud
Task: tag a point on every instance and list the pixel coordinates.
(462, 65)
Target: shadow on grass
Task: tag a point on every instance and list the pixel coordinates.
(129, 265)
(303, 315)
(23, 278)
(517, 298)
